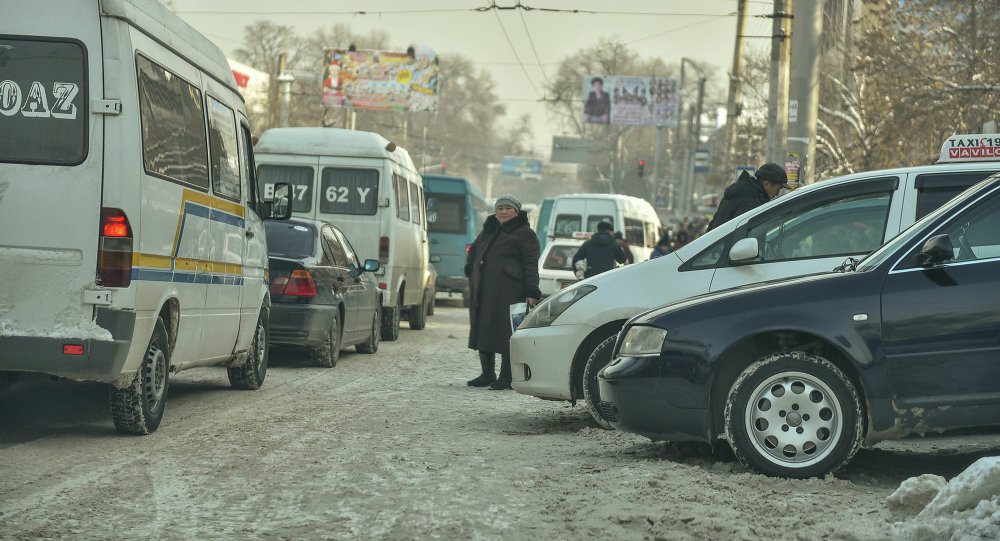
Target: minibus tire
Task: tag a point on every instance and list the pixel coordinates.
(418, 314)
(250, 375)
(138, 408)
(390, 319)
(432, 302)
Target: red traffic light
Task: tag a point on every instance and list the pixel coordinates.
(642, 162)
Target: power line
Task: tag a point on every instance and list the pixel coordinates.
(517, 56)
(492, 7)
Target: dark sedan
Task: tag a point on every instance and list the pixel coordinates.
(321, 297)
(796, 375)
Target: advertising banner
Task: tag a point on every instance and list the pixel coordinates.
(630, 101)
(367, 79)
(517, 167)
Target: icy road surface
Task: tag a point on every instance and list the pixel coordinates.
(395, 446)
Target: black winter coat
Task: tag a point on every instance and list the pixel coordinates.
(502, 266)
(601, 252)
(747, 193)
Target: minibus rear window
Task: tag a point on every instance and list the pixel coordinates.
(43, 101)
(299, 176)
(446, 213)
(348, 191)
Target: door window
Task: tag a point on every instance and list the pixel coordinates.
(414, 203)
(352, 256)
(976, 234)
(936, 189)
(43, 100)
(634, 234)
(247, 168)
(222, 148)
(335, 251)
(348, 191)
(854, 225)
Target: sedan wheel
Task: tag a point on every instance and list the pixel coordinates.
(794, 415)
(328, 355)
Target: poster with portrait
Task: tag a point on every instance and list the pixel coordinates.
(370, 79)
(630, 101)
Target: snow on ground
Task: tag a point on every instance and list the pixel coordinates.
(967, 507)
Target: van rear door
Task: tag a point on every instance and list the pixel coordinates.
(50, 168)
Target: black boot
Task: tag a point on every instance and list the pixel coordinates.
(489, 375)
(503, 382)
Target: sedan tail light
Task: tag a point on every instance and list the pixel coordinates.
(300, 283)
(114, 258)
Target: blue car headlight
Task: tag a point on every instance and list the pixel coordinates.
(642, 341)
(548, 310)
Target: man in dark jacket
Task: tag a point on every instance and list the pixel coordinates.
(601, 251)
(749, 192)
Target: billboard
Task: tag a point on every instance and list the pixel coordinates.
(630, 101)
(519, 167)
(368, 79)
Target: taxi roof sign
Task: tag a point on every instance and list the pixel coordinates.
(971, 148)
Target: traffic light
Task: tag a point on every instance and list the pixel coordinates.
(642, 167)
(444, 168)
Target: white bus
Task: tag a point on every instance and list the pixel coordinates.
(369, 188)
(131, 238)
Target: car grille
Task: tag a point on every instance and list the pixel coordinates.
(609, 411)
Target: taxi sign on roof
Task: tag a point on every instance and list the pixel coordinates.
(971, 148)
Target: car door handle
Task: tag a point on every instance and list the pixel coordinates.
(249, 234)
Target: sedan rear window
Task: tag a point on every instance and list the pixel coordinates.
(290, 239)
(43, 101)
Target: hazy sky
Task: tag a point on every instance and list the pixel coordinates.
(703, 31)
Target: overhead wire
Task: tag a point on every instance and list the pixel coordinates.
(520, 62)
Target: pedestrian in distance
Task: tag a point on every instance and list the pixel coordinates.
(662, 247)
(749, 192)
(620, 239)
(502, 266)
(601, 251)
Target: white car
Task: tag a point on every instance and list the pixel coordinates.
(555, 266)
(568, 338)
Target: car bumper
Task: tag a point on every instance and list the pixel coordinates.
(542, 359)
(634, 399)
(551, 286)
(449, 284)
(303, 325)
(100, 360)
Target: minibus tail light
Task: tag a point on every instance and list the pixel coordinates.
(114, 258)
(383, 250)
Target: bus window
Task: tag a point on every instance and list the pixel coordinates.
(448, 211)
(567, 224)
(593, 220)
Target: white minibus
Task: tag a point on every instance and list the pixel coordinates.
(581, 212)
(368, 187)
(131, 237)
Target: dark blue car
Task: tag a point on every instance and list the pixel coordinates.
(796, 375)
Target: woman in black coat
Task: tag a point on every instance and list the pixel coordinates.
(502, 266)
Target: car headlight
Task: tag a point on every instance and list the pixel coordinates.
(640, 341)
(548, 310)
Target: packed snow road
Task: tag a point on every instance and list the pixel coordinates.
(394, 445)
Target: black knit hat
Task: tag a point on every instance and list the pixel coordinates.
(774, 174)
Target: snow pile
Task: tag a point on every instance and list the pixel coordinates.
(967, 507)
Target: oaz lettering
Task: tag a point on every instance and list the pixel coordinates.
(341, 194)
(35, 104)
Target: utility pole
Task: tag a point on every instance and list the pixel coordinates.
(807, 31)
(733, 102)
(687, 144)
(777, 110)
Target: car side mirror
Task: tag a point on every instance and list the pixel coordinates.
(937, 249)
(281, 203)
(371, 265)
(744, 250)
(435, 258)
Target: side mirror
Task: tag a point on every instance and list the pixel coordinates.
(744, 250)
(281, 203)
(937, 249)
(435, 258)
(371, 265)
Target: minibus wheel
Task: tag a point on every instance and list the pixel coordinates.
(250, 375)
(138, 408)
(390, 319)
(418, 314)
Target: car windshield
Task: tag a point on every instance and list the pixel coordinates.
(290, 239)
(879, 256)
